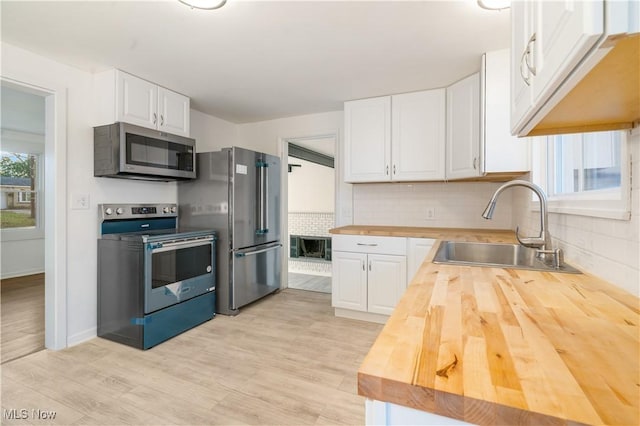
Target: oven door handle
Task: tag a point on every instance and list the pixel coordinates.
(252, 253)
(174, 245)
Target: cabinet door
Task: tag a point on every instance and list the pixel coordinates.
(565, 32)
(367, 140)
(521, 77)
(503, 152)
(418, 136)
(173, 112)
(387, 281)
(349, 281)
(417, 251)
(137, 100)
(463, 128)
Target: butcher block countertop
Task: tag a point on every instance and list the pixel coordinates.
(506, 346)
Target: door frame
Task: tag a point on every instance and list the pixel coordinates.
(55, 214)
(284, 188)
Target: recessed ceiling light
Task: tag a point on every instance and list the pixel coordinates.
(494, 4)
(204, 4)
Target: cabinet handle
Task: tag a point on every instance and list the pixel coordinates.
(528, 52)
(387, 170)
(394, 169)
(161, 120)
(368, 245)
(475, 163)
(369, 265)
(525, 78)
(155, 118)
(363, 265)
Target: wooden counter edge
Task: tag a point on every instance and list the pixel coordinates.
(450, 405)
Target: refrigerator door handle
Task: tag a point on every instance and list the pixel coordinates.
(263, 197)
(253, 253)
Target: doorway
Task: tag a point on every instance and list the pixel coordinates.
(311, 205)
(22, 201)
(50, 228)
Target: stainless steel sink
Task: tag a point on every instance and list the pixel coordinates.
(494, 255)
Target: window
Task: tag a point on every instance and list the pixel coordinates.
(585, 173)
(19, 180)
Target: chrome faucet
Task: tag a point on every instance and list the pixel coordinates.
(542, 243)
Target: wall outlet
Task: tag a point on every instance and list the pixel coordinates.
(431, 213)
(80, 201)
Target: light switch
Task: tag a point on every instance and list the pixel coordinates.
(80, 201)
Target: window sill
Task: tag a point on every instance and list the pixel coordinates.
(577, 211)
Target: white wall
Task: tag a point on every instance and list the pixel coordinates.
(311, 187)
(82, 229)
(607, 248)
(212, 133)
(266, 136)
(22, 257)
(456, 205)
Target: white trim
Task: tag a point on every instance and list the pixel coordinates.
(362, 316)
(23, 273)
(82, 337)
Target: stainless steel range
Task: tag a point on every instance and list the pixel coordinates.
(155, 280)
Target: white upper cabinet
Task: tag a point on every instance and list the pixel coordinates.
(136, 100)
(463, 128)
(395, 138)
(563, 54)
(418, 132)
(124, 97)
(502, 151)
(173, 112)
(367, 134)
(549, 39)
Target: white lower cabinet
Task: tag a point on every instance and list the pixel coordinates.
(417, 250)
(369, 273)
(386, 282)
(349, 275)
(386, 413)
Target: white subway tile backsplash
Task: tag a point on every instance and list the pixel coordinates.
(456, 204)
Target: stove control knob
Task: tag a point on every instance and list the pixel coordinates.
(119, 210)
(165, 210)
(108, 211)
(173, 209)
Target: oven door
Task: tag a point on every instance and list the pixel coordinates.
(178, 270)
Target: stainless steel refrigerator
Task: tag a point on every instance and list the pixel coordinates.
(237, 193)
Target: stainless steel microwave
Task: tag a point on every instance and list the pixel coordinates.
(123, 150)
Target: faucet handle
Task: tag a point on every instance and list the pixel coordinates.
(531, 242)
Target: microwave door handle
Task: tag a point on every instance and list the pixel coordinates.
(176, 245)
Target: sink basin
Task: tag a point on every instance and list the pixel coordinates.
(494, 255)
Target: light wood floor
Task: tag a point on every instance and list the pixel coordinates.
(309, 282)
(283, 360)
(22, 306)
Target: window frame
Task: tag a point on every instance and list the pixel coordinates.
(16, 141)
(611, 203)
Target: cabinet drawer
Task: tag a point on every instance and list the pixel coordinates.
(369, 244)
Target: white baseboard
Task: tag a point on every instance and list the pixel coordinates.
(362, 316)
(83, 336)
(24, 273)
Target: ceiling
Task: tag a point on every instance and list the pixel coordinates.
(259, 60)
